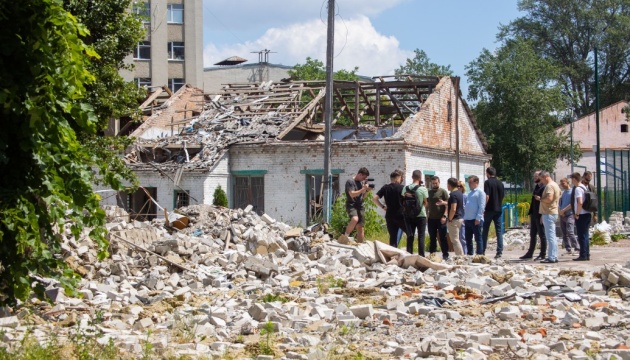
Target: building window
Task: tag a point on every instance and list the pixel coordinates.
(449, 107)
(181, 198)
(314, 182)
(139, 204)
(175, 84)
(249, 190)
(142, 82)
(142, 51)
(175, 50)
(624, 127)
(142, 9)
(175, 13)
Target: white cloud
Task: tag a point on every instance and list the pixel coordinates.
(357, 43)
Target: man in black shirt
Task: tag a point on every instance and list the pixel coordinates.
(393, 215)
(495, 191)
(355, 189)
(535, 223)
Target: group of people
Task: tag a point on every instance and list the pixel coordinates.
(551, 202)
(460, 215)
(467, 216)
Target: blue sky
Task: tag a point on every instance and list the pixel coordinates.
(375, 35)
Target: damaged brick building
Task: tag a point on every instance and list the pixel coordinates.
(263, 143)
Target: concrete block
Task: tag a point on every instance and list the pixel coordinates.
(362, 311)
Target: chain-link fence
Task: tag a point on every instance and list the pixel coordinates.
(616, 192)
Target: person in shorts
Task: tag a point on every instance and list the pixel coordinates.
(356, 188)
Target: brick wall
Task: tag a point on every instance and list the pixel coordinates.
(201, 186)
(431, 126)
(286, 164)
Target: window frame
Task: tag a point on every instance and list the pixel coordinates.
(142, 45)
(144, 14)
(143, 82)
(185, 198)
(257, 200)
(172, 83)
(169, 13)
(171, 46)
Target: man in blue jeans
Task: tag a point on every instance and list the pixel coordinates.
(582, 217)
(473, 215)
(494, 190)
(549, 211)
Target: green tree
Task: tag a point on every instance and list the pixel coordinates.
(47, 175)
(565, 32)
(517, 109)
(420, 64)
(219, 198)
(113, 32)
(314, 69)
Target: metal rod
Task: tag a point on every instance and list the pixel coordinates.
(598, 165)
(457, 150)
(328, 103)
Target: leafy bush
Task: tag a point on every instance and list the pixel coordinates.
(374, 223)
(219, 198)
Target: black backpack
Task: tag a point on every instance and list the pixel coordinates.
(411, 206)
(590, 201)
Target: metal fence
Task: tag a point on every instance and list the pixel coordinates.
(616, 190)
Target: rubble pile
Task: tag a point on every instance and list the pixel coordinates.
(618, 224)
(230, 118)
(239, 285)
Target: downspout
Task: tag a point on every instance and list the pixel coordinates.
(456, 81)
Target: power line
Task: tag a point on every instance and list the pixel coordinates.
(221, 23)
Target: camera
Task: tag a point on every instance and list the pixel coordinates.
(369, 184)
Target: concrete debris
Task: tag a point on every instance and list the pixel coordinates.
(219, 285)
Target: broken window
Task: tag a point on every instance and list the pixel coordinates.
(181, 198)
(142, 51)
(315, 198)
(175, 84)
(249, 190)
(143, 82)
(175, 50)
(142, 9)
(449, 106)
(139, 204)
(624, 128)
(175, 13)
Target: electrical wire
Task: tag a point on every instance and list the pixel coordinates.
(222, 24)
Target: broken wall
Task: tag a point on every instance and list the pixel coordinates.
(434, 124)
(442, 164)
(200, 185)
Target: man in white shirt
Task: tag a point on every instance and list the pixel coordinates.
(582, 217)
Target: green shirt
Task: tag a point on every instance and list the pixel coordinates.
(421, 194)
(435, 211)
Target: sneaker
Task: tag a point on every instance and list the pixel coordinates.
(498, 256)
(549, 261)
(526, 257)
(568, 252)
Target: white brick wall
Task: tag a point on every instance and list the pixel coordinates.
(285, 186)
(200, 186)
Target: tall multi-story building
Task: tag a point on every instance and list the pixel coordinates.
(172, 52)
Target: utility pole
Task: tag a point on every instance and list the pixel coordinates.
(598, 165)
(571, 120)
(330, 49)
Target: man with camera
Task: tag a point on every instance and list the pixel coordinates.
(355, 189)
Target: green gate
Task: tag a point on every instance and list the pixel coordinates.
(616, 192)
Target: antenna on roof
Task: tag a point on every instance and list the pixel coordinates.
(263, 55)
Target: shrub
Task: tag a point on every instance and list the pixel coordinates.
(219, 197)
(374, 223)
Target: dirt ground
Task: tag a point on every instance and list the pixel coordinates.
(616, 252)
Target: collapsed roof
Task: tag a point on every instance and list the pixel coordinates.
(192, 130)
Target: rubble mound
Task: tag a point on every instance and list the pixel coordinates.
(233, 282)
